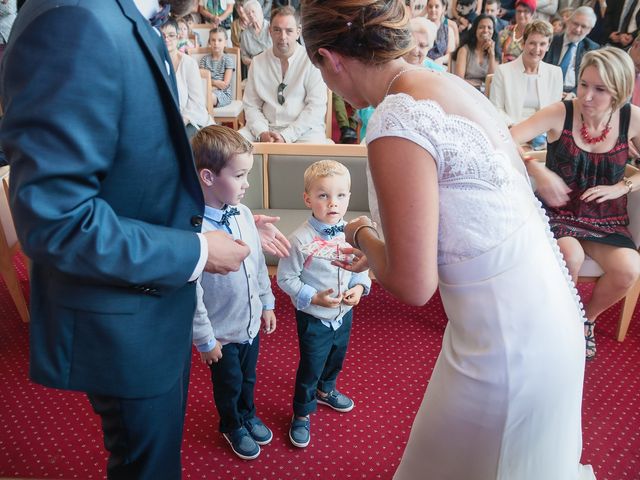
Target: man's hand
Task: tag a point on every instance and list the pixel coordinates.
(265, 137)
(213, 356)
(626, 39)
(324, 299)
(225, 253)
(271, 239)
(352, 296)
(269, 320)
(277, 138)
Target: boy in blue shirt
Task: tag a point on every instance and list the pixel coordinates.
(229, 307)
(323, 295)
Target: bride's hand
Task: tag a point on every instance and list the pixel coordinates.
(351, 227)
(358, 262)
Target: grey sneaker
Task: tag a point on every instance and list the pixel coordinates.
(300, 432)
(337, 401)
(242, 444)
(258, 431)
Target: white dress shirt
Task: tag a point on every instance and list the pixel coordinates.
(570, 77)
(301, 117)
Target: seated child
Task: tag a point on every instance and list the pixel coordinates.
(323, 296)
(191, 20)
(465, 15)
(229, 307)
(221, 66)
(557, 23)
(184, 43)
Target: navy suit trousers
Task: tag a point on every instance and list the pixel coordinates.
(144, 435)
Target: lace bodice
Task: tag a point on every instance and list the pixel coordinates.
(483, 198)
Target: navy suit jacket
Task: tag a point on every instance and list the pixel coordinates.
(553, 55)
(612, 19)
(105, 196)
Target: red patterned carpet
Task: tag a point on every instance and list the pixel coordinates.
(46, 433)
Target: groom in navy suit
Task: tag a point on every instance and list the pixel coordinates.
(108, 207)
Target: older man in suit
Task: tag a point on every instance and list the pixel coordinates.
(108, 206)
(568, 48)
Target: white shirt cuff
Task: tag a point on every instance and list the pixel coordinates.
(202, 261)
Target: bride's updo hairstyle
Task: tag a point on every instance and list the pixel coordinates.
(372, 31)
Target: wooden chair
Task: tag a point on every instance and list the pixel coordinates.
(328, 118)
(201, 33)
(9, 246)
(591, 271)
(487, 84)
(205, 75)
(234, 112)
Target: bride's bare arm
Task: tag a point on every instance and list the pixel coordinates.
(406, 183)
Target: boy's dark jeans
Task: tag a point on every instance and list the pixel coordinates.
(322, 352)
(234, 380)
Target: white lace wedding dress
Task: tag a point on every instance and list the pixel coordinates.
(505, 396)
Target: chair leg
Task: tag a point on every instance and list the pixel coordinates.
(628, 307)
(13, 285)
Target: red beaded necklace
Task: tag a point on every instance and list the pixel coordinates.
(584, 133)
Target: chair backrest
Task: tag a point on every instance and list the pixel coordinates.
(487, 84)
(205, 75)
(328, 118)
(633, 208)
(6, 220)
(201, 32)
(198, 52)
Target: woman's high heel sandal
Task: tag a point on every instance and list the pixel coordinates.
(590, 340)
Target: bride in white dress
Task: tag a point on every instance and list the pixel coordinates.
(458, 214)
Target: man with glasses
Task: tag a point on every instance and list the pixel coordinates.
(567, 48)
(285, 99)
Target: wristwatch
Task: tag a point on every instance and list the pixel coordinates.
(628, 183)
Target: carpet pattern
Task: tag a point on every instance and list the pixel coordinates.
(45, 433)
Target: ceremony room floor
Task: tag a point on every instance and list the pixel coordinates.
(46, 433)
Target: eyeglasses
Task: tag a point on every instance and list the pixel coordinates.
(281, 88)
(169, 35)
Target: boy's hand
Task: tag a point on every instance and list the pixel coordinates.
(352, 296)
(213, 355)
(324, 299)
(269, 319)
(271, 239)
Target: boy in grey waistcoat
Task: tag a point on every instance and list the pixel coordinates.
(230, 307)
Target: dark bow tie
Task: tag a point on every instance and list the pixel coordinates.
(333, 230)
(228, 213)
(160, 17)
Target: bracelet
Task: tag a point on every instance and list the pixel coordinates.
(628, 183)
(355, 234)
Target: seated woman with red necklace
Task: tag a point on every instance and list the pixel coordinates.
(582, 184)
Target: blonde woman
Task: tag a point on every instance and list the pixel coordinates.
(582, 183)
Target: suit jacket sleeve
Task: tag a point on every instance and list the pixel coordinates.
(62, 137)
